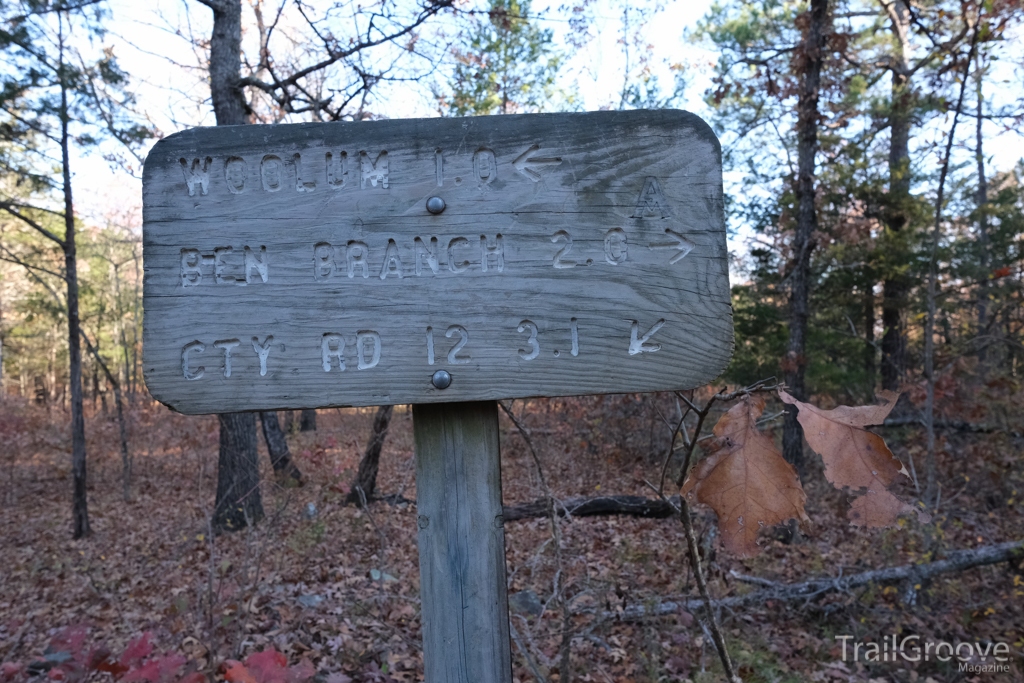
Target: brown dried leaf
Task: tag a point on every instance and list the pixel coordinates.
(745, 480)
(877, 509)
(854, 457)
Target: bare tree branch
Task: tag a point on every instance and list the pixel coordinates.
(12, 209)
(281, 88)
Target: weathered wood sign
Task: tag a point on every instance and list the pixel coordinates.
(337, 264)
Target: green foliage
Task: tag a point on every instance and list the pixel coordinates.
(760, 336)
(868, 231)
(35, 313)
(507, 67)
(646, 92)
(54, 69)
(641, 87)
(61, 92)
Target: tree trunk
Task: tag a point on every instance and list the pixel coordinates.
(365, 484)
(931, 475)
(981, 198)
(229, 105)
(896, 284)
(79, 505)
(124, 378)
(813, 55)
(137, 306)
(307, 422)
(870, 352)
(277, 447)
(79, 500)
(238, 474)
(52, 393)
(2, 344)
(126, 458)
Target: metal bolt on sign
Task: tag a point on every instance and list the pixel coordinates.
(441, 379)
(435, 205)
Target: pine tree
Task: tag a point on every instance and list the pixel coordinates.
(54, 97)
(507, 67)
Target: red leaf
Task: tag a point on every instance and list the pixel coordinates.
(156, 670)
(70, 639)
(8, 670)
(101, 659)
(269, 666)
(116, 669)
(1001, 272)
(237, 673)
(137, 650)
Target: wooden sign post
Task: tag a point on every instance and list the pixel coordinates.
(461, 543)
(445, 263)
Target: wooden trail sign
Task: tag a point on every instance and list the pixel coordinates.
(336, 264)
(443, 261)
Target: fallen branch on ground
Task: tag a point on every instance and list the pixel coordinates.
(913, 574)
(634, 506)
(631, 506)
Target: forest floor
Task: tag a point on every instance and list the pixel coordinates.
(340, 588)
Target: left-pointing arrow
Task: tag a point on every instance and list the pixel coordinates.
(531, 167)
(681, 244)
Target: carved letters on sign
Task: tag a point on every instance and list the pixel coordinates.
(342, 264)
(651, 201)
(422, 257)
(197, 176)
(368, 347)
(276, 172)
(224, 266)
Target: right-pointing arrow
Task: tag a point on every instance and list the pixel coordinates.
(681, 244)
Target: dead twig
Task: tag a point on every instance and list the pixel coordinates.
(693, 552)
(558, 591)
(702, 586)
(532, 665)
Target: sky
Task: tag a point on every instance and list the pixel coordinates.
(149, 39)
